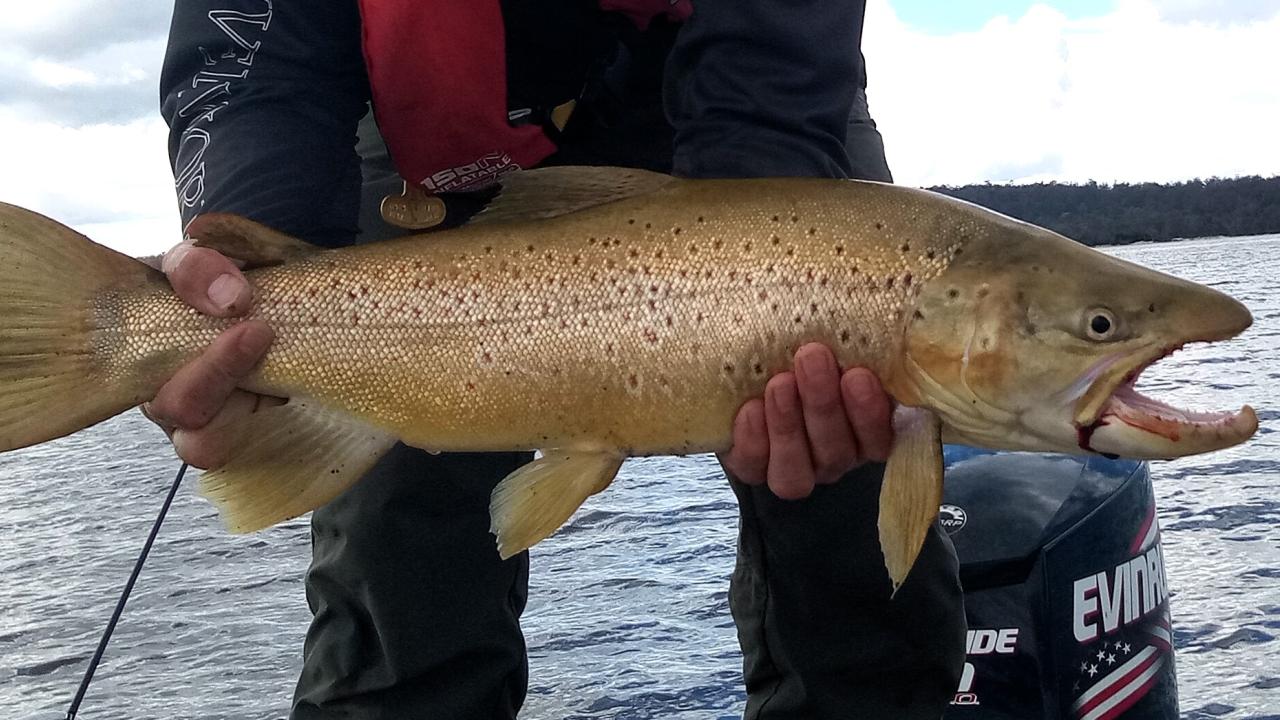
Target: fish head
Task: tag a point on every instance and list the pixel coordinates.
(1030, 341)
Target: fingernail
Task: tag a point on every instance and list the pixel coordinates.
(172, 259)
(813, 364)
(225, 290)
(254, 342)
(863, 385)
(783, 399)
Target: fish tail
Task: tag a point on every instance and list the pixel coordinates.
(56, 372)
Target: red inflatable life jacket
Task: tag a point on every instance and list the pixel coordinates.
(438, 77)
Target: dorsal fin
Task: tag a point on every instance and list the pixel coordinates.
(549, 192)
(243, 239)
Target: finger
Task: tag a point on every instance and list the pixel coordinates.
(748, 460)
(212, 445)
(199, 389)
(831, 441)
(870, 413)
(145, 409)
(207, 280)
(790, 467)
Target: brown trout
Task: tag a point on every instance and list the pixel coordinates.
(599, 313)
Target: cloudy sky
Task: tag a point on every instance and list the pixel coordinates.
(999, 91)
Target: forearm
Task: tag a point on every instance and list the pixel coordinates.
(262, 104)
(764, 88)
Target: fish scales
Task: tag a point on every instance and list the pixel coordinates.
(585, 329)
(598, 313)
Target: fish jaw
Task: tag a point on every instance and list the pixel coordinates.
(1113, 418)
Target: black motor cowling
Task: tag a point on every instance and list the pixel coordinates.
(1064, 585)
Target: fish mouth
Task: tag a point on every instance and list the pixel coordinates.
(1112, 418)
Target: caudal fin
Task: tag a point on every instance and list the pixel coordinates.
(53, 376)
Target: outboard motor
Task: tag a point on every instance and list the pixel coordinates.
(1064, 586)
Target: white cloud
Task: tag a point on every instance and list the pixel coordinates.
(1129, 96)
(91, 176)
(1157, 90)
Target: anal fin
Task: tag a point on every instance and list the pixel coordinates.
(536, 499)
(912, 490)
(292, 459)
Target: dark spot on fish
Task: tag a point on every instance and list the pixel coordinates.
(888, 283)
(1035, 268)
(728, 368)
(774, 307)
(906, 247)
(608, 349)
(813, 308)
(471, 385)
(650, 335)
(795, 218)
(763, 295)
(1151, 307)
(631, 221)
(879, 225)
(700, 218)
(791, 252)
(487, 357)
(813, 231)
(669, 321)
(986, 343)
(591, 241)
(699, 317)
(775, 240)
(776, 218)
(840, 251)
(906, 280)
(653, 304)
(488, 249)
(798, 320)
(633, 381)
(351, 294)
(918, 315)
(864, 340)
(746, 247)
(959, 250)
(648, 226)
(953, 293)
(930, 254)
(633, 253)
(983, 292)
(528, 248)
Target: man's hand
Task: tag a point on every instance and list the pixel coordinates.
(200, 404)
(812, 426)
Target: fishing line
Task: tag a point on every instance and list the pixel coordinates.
(124, 597)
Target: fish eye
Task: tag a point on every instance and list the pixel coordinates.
(1101, 324)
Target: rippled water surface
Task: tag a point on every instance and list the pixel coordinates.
(628, 615)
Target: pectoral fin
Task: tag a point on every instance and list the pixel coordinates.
(912, 490)
(293, 458)
(535, 500)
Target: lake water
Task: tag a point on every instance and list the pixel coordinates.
(628, 615)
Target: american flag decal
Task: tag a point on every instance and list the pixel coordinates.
(1120, 671)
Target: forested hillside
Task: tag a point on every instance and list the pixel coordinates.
(1117, 214)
